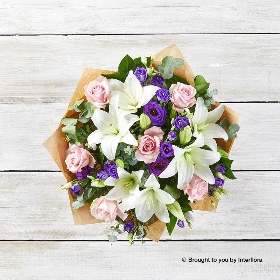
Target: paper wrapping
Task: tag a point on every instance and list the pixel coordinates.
(56, 144)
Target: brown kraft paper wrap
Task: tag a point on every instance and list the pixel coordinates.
(56, 144)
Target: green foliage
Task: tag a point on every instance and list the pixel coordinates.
(79, 201)
(176, 210)
(201, 85)
(171, 225)
(233, 129)
(174, 80)
(168, 65)
(70, 125)
(228, 162)
(112, 238)
(184, 203)
(223, 153)
(224, 124)
(173, 191)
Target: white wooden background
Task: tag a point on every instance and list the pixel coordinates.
(44, 47)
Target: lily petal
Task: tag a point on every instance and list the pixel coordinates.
(145, 210)
(110, 181)
(215, 131)
(129, 139)
(204, 157)
(103, 121)
(163, 196)
(109, 145)
(200, 113)
(152, 182)
(171, 169)
(119, 191)
(161, 212)
(133, 86)
(204, 173)
(115, 85)
(199, 141)
(214, 115)
(148, 93)
(185, 173)
(211, 143)
(95, 137)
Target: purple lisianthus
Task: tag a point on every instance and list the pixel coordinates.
(141, 74)
(158, 166)
(111, 168)
(219, 181)
(163, 94)
(172, 135)
(102, 175)
(158, 81)
(221, 168)
(180, 224)
(76, 189)
(87, 170)
(128, 226)
(166, 150)
(155, 112)
(181, 122)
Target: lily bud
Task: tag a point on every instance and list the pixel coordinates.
(144, 59)
(119, 163)
(66, 186)
(185, 135)
(145, 121)
(173, 114)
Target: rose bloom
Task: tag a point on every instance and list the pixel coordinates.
(182, 96)
(97, 92)
(77, 158)
(149, 145)
(196, 188)
(108, 210)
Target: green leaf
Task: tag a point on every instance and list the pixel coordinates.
(224, 124)
(112, 238)
(184, 203)
(173, 191)
(168, 65)
(234, 128)
(88, 193)
(117, 76)
(78, 203)
(69, 130)
(171, 225)
(223, 153)
(174, 80)
(229, 174)
(178, 62)
(126, 65)
(176, 210)
(69, 121)
(227, 162)
(200, 84)
(76, 106)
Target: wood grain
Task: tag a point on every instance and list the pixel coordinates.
(29, 126)
(48, 68)
(81, 260)
(32, 208)
(141, 17)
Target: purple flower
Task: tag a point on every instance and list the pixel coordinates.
(76, 189)
(158, 166)
(111, 168)
(181, 122)
(128, 226)
(141, 74)
(155, 112)
(180, 224)
(172, 135)
(221, 168)
(163, 94)
(219, 181)
(87, 170)
(158, 81)
(166, 150)
(102, 175)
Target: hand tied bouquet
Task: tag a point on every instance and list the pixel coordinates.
(144, 146)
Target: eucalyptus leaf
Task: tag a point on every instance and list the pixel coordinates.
(69, 121)
(224, 124)
(234, 128)
(69, 129)
(77, 204)
(112, 238)
(76, 106)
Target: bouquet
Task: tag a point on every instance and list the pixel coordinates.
(144, 146)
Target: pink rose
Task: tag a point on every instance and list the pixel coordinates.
(148, 148)
(77, 158)
(182, 96)
(196, 188)
(154, 131)
(97, 92)
(108, 210)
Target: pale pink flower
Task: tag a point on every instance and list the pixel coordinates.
(108, 210)
(77, 158)
(197, 188)
(183, 96)
(154, 131)
(97, 92)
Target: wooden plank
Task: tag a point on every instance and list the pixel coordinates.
(31, 207)
(29, 125)
(78, 260)
(47, 68)
(142, 17)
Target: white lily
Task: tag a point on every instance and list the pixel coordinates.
(112, 128)
(191, 160)
(126, 186)
(152, 200)
(132, 94)
(204, 123)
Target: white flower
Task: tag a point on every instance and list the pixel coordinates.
(152, 200)
(191, 160)
(112, 128)
(204, 123)
(126, 186)
(132, 94)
